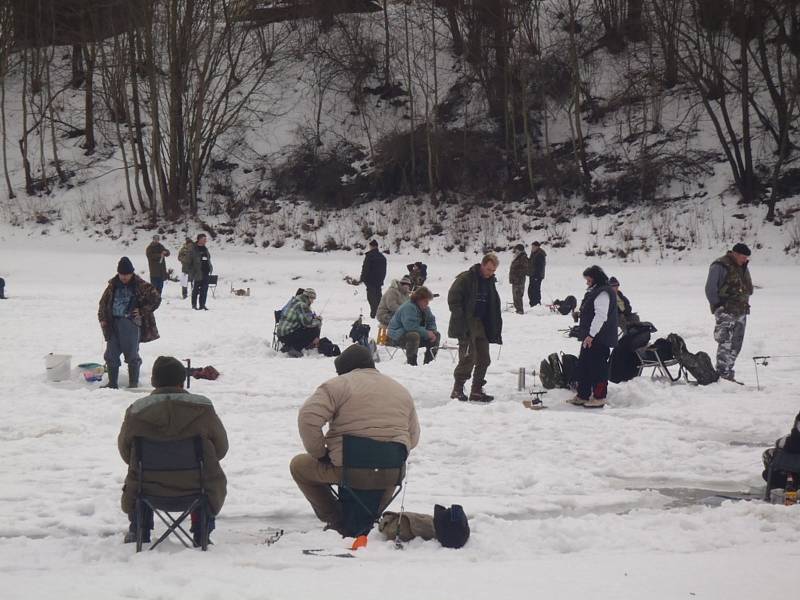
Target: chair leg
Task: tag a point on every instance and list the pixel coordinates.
(204, 527)
(139, 525)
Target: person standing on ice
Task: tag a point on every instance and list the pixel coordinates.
(185, 258)
(728, 290)
(373, 273)
(126, 318)
(536, 268)
(200, 269)
(156, 255)
(476, 321)
(516, 276)
(170, 413)
(597, 331)
(361, 402)
(2, 289)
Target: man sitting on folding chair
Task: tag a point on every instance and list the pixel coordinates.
(413, 325)
(170, 413)
(359, 403)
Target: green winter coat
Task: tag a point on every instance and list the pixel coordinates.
(174, 414)
(185, 256)
(461, 300)
(196, 265)
(155, 260)
(518, 269)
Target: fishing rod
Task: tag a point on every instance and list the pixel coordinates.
(764, 361)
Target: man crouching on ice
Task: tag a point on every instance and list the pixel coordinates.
(360, 402)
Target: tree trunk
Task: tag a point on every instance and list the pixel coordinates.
(89, 55)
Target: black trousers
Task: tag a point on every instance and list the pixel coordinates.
(593, 371)
(534, 291)
(374, 298)
(300, 339)
(200, 288)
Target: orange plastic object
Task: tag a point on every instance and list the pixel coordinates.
(359, 542)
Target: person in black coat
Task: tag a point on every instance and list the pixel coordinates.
(788, 443)
(536, 267)
(597, 331)
(373, 272)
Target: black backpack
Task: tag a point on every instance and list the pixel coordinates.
(569, 368)
(698, 364)
(566, 306)
(328, 348)
(558, 371)
(550, 372)
(359, 333)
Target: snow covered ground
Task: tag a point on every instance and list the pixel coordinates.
(563, 503)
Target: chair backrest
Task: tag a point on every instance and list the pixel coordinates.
(213, 279)
(278, 315)
(365, 453)
(785, 461)
(169, 455)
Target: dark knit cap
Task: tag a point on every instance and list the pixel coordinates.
(168, 372)
(613, 281)
(354, 357)
(124, 266)
(374, 244)
(741, 248)
(597, 274)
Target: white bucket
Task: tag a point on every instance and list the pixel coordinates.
(57, 366)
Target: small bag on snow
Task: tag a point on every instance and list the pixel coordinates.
(407, 526)
(550, 372)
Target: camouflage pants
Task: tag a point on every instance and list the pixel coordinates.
(517, 292)
(729, 335)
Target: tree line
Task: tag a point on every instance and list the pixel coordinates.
(180, 77)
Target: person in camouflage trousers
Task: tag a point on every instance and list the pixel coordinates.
(728, 290)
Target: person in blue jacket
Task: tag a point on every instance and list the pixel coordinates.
(413, 325)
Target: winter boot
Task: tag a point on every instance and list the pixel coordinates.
(458, 391)
(429, 356)
(133, 376)
(477, 394)
(411, 359)
(113, 378)
(184, 293)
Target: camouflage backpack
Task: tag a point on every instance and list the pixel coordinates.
(551, 373)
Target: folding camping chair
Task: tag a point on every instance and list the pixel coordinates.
(171, 456)
(649, 358)
(361, 508)
(384, 341)
(781, 461)
(212, 284)
(276, 343)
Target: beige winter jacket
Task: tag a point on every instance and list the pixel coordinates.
(364, 403)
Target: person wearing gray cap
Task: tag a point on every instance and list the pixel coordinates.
(299, 328)
(156, 254)
(728, 290)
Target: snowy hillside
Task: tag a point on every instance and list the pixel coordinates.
(563, 503)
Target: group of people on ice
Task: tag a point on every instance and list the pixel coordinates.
(360, 401)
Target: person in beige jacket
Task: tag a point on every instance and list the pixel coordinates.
(362, 402)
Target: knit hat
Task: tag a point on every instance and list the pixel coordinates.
(310, 293)
(451, 525)
(597, 274)
(354, 357)
(406, 280)
(613, 282)
(373, 244)
(536, 244)
(519, 248)
(156, 238)
(124, 266)
(741, 248)
(168, 372)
